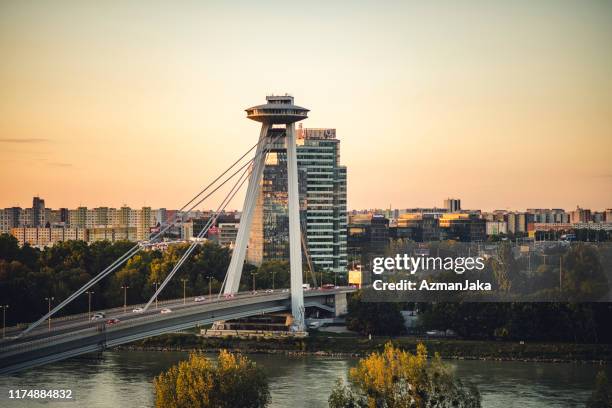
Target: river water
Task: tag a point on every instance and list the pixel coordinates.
(124, 379)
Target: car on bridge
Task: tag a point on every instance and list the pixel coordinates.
(138, 310)
(111, 322)
(98, 316)
(199, 299)
(165, 310)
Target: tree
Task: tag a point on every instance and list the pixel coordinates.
(378, 318)
(9, 248)
(399, 379)
(234, 381)
(602, 394)
(583, 274)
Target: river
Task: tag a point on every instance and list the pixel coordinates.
(124, 379)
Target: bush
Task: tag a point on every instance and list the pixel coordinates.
(398, 379)
(234, 381)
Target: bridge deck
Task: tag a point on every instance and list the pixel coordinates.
(74, 337)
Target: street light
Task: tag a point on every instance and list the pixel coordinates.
(4, 307)
(210, 278)
(184, 293)
(125, 288)
(156, 283)
(273, 273)
(89, 293)
(253, 273)
(49, 299)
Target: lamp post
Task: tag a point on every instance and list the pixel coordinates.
(273, 273)
(253, 273)
(184, 290)
(156, 283)
(89, 293)
(49, 299)
(125, 288)
(4, 307)
(210, 278)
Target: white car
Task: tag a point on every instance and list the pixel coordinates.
(97, 316)
(165, 310)
(270, 291)
(199, 299)
(138, 310)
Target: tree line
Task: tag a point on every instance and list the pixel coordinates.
(28, 275)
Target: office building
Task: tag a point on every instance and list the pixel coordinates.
(322, 197)
(452, 204)
(325, 215)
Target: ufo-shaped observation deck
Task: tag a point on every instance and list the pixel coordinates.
(278, 110)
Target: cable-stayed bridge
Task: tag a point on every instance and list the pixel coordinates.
(76, 335)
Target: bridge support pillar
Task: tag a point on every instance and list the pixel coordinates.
(234, 271)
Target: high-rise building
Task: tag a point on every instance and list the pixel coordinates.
(580, 215)
(145, 220)
(101, 216)
(10, 218)
(269, 238)
(452, 204)
(325, 214)
(322, 193)
(518, 222)
(78, 217)
(38, 212)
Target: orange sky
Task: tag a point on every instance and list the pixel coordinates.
(503, 104)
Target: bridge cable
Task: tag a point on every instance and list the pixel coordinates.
(136, 248)
(209, 224)
(269, 148)
(202, 232)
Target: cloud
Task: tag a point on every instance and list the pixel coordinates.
(26, 140)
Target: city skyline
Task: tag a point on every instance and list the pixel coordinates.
(439, 205)
(506, 106)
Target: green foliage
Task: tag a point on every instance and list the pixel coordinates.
(234, 381)
(602, 394)
(583, 274)
(398, 379)
(376, 318)
(28, 275)
(583, 322)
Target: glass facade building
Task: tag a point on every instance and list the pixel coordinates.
(323, 214)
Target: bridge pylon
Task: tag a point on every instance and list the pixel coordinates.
(279, 110)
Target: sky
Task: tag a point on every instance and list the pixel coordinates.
(505, 105)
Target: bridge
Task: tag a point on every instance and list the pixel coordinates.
(75, 335)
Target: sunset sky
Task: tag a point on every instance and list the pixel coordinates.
(504, 104)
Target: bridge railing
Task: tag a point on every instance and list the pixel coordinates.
(78, 316)
(244, 298)
(144, 319)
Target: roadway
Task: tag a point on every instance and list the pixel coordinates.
(81, 321)
(75, 335)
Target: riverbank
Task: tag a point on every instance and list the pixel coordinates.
(323, 344)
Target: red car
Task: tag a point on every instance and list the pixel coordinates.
(111, 322)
